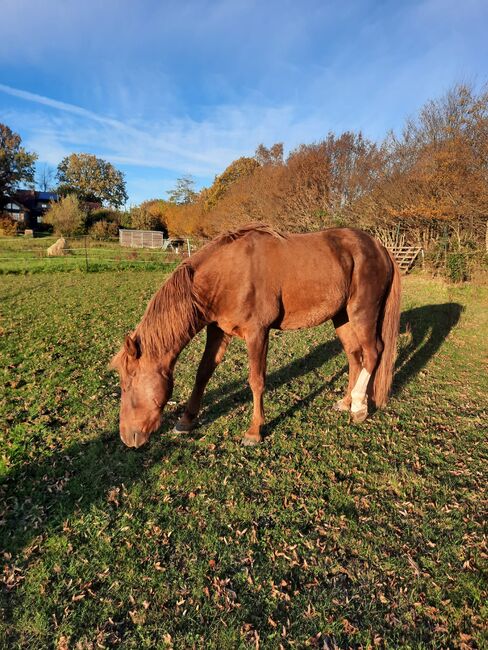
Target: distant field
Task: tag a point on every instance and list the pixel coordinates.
(20, 256)
(327, 535)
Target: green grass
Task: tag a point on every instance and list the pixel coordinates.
(21, 256)
(329, 534)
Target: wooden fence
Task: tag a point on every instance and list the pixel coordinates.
(155, 239)
(141, 238)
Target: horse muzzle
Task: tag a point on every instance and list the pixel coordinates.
(134, 439)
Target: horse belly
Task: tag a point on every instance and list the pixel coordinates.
(310, 309)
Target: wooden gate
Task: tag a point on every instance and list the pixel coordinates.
(405, 256)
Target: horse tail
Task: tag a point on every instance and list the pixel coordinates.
(389, 325)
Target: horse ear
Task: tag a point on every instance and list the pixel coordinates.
(132, 346)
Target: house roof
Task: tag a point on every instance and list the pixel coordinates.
(46, 196)
(27, 200)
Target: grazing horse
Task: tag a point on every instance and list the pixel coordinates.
(244, 283)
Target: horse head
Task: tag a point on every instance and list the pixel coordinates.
(147, 385)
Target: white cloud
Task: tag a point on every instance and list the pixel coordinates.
(182, 145)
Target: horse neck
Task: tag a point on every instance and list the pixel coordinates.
(170, 357)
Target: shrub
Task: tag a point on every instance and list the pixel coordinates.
(143, 219)
(103, 230)
(150, 215)
(8, 226)
(104, 214)
(457, 267)
(67, 216)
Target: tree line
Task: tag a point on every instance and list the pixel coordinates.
(427, 185)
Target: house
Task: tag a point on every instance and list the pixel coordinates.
(28, 206)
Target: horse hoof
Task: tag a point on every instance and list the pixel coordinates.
(341, 405)
(250, 442)
(359, 416)
(183, 427)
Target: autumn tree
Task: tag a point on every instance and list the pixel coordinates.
(184, 192)
(269, 155)
(187, 220)
(430, 179)
(238, 169)
(313, 188)
(150, 215)
(355, 164)
(91, 179)
(434, 178)
(16, 164)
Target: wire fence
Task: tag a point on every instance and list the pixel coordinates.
(18, 255)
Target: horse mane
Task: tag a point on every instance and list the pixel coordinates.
(257, 226)
(171, 318)
(172, 315)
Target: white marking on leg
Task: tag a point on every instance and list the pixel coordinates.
(358, 393)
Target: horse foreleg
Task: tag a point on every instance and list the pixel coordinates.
(217, 342)
(257, 348)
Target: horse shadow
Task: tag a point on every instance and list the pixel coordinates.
(425, 330)
(39, 495)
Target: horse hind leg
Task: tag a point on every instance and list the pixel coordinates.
(216, 345)
(371, 348)
(347, 336)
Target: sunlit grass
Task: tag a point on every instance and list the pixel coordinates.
(328, 533)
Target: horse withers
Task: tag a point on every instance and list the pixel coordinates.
(245, 283)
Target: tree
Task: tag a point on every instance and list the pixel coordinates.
(434, 179)
(184, 192)
(67, 216)
(238, 169)
(150, 215)
(91, 179)
(45, 176)
(16, 164)
(269, 156)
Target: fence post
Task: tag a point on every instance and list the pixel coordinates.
(86, 256)
(188, 245)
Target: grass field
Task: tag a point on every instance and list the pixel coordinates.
(327, 535)
(21, 256)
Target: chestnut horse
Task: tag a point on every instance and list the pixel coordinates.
(245, 283)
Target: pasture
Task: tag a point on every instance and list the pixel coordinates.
(327, 535)
(20, 256)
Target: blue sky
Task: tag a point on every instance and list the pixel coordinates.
(167, 88)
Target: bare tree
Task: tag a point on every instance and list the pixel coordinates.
(45, 177)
